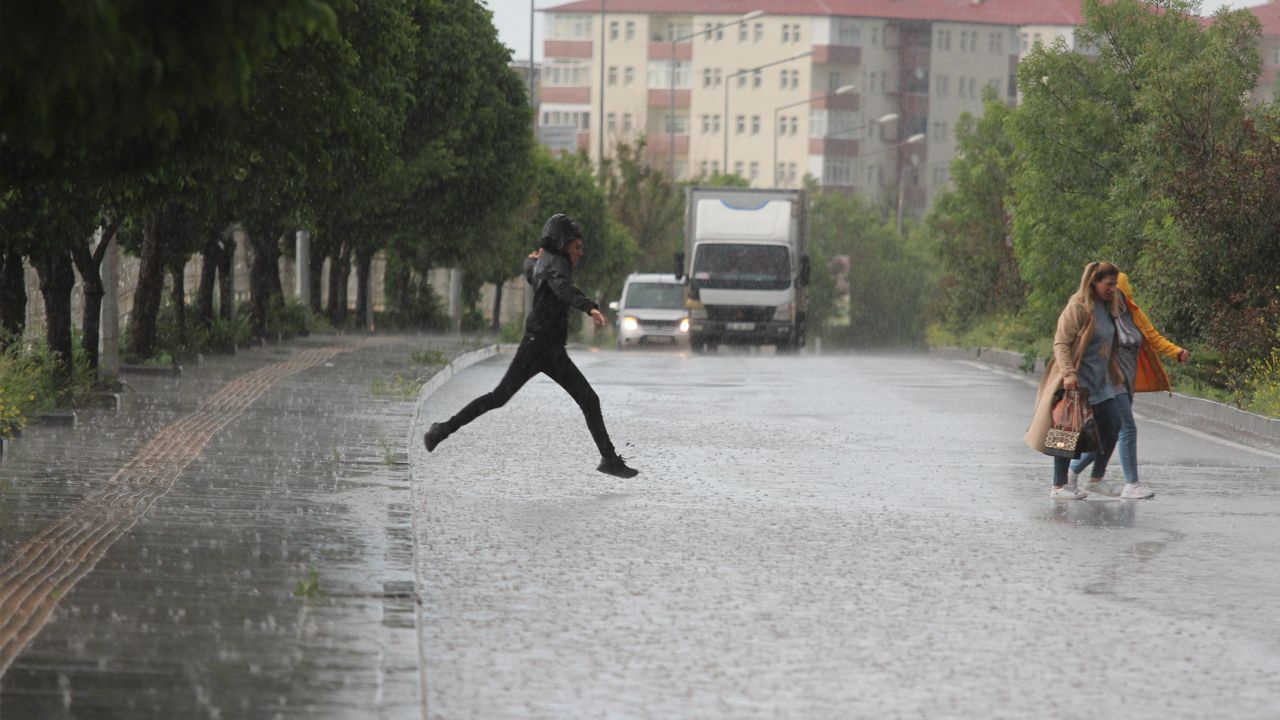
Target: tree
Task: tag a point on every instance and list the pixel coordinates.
(648, 204)
(971, 223)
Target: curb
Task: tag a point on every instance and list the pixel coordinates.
(1208, 416)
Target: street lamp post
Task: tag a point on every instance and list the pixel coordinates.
(902, 176)
(724, 158)
(842, 90)
(671, 104)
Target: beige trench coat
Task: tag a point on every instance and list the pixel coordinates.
(1075, 327)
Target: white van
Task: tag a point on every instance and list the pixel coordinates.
(651, 311)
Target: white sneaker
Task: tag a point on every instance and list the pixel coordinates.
(1137, 491)
(1102, 487)
(1066, 492)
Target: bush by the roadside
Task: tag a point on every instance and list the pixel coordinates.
(28, 384)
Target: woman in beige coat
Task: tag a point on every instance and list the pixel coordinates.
(1083, 357)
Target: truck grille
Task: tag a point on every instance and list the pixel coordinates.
(739, 313)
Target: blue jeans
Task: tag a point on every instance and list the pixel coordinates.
(1126, 444)
(1107, 416)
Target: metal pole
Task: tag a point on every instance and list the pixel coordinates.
(532, 104)
(724, 158)
(600, 140)
(671, 112)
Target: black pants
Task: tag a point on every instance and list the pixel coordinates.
(533, 357)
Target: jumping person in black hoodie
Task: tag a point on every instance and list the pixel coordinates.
(549, 270)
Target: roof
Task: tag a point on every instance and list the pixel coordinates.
(1269, 14)
(988, 12)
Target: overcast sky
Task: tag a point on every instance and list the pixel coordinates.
(512, 20)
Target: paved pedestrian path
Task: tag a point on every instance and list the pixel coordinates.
(234, 542)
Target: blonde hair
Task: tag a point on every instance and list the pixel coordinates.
(1093, 272)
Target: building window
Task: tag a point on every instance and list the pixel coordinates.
(613, 75)
(795, 33)
(737, 168)
(703, 167)
(716, 75)
(795, 124)
(613, 30)
(715, 167)
(626, 122)
(743, 32)
(791, 172)
(715, 123)
(631, 30)
(755, 124)
(755, 170)
(757, 78)
(612, 120)
(781, 173)
(795, 79)
(782, 79)
(742, 78)
(849, 34)
(786, 32)
(568, 27)
(628, 76)
(660, 73)
(759, 33)
(706, 124)
(706, 77)
(740, 125)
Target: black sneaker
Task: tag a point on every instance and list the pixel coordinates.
(616, 467)
(435, 434)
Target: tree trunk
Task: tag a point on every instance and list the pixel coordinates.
(13, 298)
(339, 270)
(261, 286)
(363, 261)
(146, 297)
(93, 292)
(226, 278)
(273, 269)
(315, 279)
(56, 282)
(497, 306)
(179, 300)
(210, 257)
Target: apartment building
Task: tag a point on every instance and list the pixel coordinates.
(862, 95)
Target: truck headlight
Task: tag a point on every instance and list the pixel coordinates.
(630, 324)
(684, 325)
(783, 312)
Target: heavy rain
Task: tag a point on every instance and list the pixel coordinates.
(450, 359)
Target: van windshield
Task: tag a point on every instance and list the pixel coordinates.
(729, 266)
(655, 296)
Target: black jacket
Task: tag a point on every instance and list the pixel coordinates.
(553, 295)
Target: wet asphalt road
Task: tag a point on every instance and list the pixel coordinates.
(830, 537)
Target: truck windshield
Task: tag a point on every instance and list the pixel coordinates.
(659, 296)
(727, 266)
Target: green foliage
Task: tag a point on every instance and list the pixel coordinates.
(888, 282)
(309, 587)
(511, 332)
(429, 357)
(722, 180)
(648, 204)
(31, 382)
(399, 386)
(971, 224)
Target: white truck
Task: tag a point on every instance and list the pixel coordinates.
(745, 267)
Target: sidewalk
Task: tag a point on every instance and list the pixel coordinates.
(235, 542)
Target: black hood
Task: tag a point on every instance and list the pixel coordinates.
(558, 232)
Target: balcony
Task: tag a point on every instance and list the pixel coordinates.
(657, 144)
(570, 95)
(566, 48)
(662, 98)
(843, 147)
(662, 51)
(849, 101)
(836, 55)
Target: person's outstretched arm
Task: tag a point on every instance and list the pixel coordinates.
(562, 286)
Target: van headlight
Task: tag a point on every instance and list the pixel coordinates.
(630, 324)
(783, 312)
(684, 325)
